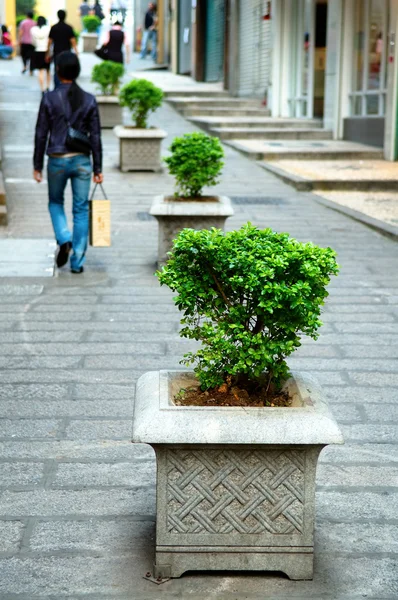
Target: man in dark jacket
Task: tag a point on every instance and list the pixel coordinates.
(68, 104)
(61, 39)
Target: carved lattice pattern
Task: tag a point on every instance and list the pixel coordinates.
(242, 491)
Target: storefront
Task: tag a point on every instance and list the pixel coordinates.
(365, 70)
(299, 34)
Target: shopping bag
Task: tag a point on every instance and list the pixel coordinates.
(100, 220)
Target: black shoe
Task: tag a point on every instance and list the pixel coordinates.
(24, 71)
(77, 271)
(63, 254)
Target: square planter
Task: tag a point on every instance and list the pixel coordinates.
(235, 486)
(111, 113)
(174, 215)
(90, 42)
(140, 148)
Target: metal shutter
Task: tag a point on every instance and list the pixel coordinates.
(215, 25)
(254, 48)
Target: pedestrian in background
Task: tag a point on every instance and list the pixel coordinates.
(150, 32)
(84, 11)
(40, 34)
(61, 39)
(112, 49)
(25, 41)
(65, 107)
(6, 47)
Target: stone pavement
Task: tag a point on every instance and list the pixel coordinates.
(76, 497)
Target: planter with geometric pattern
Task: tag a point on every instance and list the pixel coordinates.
(140, 148)
(173, 215)
(235, 486)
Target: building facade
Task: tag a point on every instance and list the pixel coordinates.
(337, 60)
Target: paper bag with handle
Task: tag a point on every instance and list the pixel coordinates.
(100, 220)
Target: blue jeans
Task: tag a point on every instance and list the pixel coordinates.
(149, 35)
(5, 51)
(78, 169)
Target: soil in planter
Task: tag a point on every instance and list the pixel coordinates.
(197, 199)
(233, 395)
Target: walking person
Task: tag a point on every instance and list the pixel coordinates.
(25, 41)
(150, 32)
(112, 49)
(40, 34)
(84, 11)
(61, 39)
(66, 107)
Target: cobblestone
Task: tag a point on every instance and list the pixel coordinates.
(77, 499)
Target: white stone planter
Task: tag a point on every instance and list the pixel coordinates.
(174, 215)
(90, 42)
(111, 113)
(235, 486)
(140, 148)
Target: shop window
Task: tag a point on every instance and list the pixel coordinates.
(369, 53)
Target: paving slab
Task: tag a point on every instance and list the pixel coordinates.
(77, 499)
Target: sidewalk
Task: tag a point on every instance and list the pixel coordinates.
(77, 498)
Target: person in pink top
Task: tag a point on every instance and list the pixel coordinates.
(6, 47)
(25, 41)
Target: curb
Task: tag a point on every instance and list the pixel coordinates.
(386, 229)
(302, 184)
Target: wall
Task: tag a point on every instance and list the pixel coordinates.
(49, 8)
(72, 13)
(7, 15)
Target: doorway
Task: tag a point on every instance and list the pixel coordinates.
(308, 30)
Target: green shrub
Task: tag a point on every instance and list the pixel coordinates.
(91, 23)
(196, 161)
(248, 296)
(141, 97)
(108, 75)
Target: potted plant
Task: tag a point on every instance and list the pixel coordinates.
(238, 438)
(90, 35)
(196, 161)
(107, 75)
(140, 144)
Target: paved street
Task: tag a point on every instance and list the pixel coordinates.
(76, 497)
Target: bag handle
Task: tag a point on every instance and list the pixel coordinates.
(102, 189)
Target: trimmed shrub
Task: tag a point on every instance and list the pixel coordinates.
(91, 23)
(142, 98)
(107, 75)
(196, 162)
(248, 296)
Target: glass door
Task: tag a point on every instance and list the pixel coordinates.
(301, 97)
(369, 88)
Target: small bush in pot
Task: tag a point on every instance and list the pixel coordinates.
(142, 98)
(247, 296)
(196, 161)
(91, 23)
(107, 75)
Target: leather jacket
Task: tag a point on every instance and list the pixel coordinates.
(52, 126)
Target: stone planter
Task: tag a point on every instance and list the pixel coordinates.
(90, 41)
(235, 486)
(111, 113)
(174, 215)
(140, 148)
